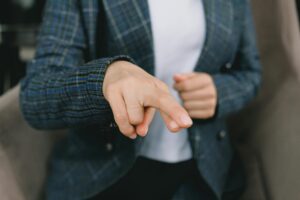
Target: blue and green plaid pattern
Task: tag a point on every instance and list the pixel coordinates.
(63, 88)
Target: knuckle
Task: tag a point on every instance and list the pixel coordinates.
(121, 118)
(212, 103)
(133, 107)
(136, 120)
(191, 114)
(124, 83)
(162, 86)
(130, 80)
(110, 90)
(186, 105)
(209, 114)
(135, 114)
(168, 101)
(112, 87)
(213, 94)
(163, 98)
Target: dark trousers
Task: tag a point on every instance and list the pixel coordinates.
(150, 179)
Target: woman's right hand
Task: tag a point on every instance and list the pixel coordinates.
(134, 95)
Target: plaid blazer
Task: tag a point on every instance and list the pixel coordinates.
(62, 89)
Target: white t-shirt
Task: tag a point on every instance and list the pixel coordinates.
(178, 28)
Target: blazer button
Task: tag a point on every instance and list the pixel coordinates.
(228, 66)
(109, 147)
(113, 125)
(222, 134)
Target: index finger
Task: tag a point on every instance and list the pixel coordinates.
(168, 105)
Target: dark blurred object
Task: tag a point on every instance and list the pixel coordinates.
(12, 68)
(19, 21)
(20, 11)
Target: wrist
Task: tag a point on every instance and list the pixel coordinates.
(110, 71)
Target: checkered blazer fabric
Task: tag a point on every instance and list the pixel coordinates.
(79, 39)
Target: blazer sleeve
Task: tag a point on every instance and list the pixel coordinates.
(239, 85)
(59, 90)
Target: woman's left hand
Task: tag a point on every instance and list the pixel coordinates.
(198, 93)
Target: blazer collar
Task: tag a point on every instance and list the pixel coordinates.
(132, 28)
(219, 16)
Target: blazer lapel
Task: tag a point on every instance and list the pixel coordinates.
(134, 34)
(131, 25)
(219, 27)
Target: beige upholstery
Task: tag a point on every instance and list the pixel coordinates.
(267, 135)
(23, 153)
(269, 130)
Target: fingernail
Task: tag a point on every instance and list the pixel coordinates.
(143, 132)
(133, 136)
(173, 125)
(146, 130)
(186, 120)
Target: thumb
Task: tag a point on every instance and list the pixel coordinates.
(182, 77)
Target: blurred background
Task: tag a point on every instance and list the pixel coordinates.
(266, 133)
(19, 22)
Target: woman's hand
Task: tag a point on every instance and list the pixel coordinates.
(134, 95)
(198, 93)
